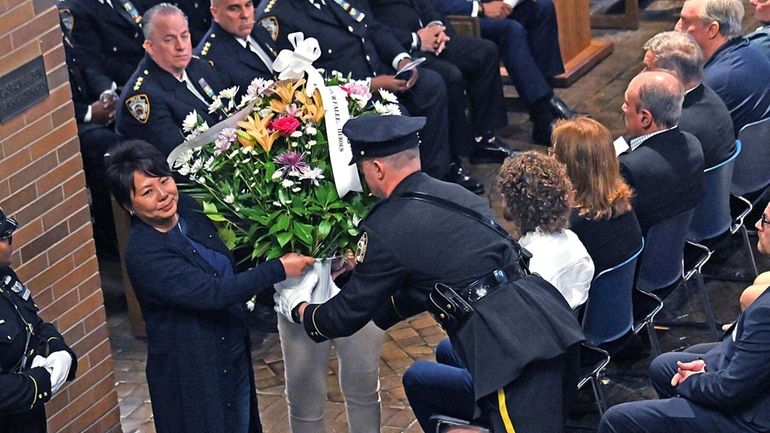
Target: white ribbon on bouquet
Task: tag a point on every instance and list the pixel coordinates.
(297, 64)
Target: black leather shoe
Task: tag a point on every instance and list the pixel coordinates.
(459, 175)
(560, 109)
(486, 151)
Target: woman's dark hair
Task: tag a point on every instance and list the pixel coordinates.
(536, 191)
(129, 157)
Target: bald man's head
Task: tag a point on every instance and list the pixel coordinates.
(653, 101)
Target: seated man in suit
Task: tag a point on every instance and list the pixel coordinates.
(723, 390)
(238, 50)
(663, 164)
(353, 43)
(469, 67)
(733, 69)
(760, 38)
(527, 35)
(168, 84)
(108, 35)
(704, 115)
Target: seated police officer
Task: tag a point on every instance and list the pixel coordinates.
(238, 50)
(34, 360)
(409, 243)
(168, 84)
(109, 34)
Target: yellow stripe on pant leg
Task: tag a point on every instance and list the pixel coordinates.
(504, 412)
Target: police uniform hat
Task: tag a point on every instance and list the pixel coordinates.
(372, 136)
(7, 225)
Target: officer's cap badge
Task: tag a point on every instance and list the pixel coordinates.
(363, 242)
(271, 25)
(139, 107)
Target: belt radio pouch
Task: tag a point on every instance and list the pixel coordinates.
(448, 308)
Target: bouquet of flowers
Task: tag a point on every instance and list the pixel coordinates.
(266, 179)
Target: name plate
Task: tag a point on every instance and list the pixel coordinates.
(22, 88)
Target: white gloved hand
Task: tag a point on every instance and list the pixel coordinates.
(39, 361)
(59, 364)
(333, 288)
(293, 291)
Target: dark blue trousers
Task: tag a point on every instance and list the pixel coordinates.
(669, 414)
(529, 47)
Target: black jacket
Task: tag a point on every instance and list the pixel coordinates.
(24, 390)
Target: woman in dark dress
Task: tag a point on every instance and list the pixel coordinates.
(194, 304)
(602, 217)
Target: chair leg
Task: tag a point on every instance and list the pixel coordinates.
(749, 250)
(653, 335)
(712, 323)
(598, 395)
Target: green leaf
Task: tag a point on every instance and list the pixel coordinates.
(304, 232)
(283, 238)
(227, 235)
(323, 229)
(282, 224)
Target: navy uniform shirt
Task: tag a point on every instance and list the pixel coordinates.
(154, 103)
(234, 63)
(110, 39)
(406, 247)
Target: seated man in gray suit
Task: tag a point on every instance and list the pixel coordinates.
(704, 115)
(723, 390)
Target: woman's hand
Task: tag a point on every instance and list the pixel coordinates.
(294, 265)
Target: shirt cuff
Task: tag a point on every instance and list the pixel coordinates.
(475, 9)
(87, 117)
(415, 41)
(398, 59)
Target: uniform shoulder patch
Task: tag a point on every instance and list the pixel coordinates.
(270, 23)
(363, 243)
(139, 107)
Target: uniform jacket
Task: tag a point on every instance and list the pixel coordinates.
(110, 40)
(398, 263)
(234, 64)
(737, 380)
(705, 116)
(406, 16)
(154, 103)
(23, 391)
(666, 172)
(191, 314)
(733, 71)
(760, 40)
(362, 47)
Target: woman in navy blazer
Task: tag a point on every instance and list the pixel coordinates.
(198, 356)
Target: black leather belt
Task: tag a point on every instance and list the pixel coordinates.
(489, 283)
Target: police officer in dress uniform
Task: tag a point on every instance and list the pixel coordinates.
(511, 323)
(108, 34)
(238, 50)
(94, 116)
(353, 43)
(34, 360)
(168, 84)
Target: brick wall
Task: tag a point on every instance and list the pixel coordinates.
(42, 185)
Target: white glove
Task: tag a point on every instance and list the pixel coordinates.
(38, 361)
(59, 364)
(324, 292)
(293, 291)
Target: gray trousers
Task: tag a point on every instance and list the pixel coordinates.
(307, 366)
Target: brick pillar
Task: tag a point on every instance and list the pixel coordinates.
(42, 185)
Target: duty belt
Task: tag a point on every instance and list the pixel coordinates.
(489, 283)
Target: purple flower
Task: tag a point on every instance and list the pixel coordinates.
(225, 138)
(292, 162)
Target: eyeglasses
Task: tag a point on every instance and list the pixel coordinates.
(763, 221)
